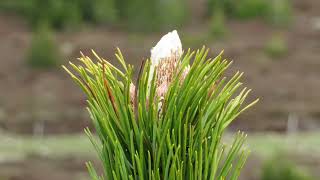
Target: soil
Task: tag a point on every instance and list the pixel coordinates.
(39, 168)
(287, 86)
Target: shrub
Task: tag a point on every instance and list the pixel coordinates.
(61, 14)
(43, 52)
(121, 6)
(104, 12)
(169, 125)
(276, 46)
(245, 9)
(280, 168)
(171, 13)
(98, 11)
(217, 23)
(214, 4)
(52, 12)
(155, 14)
(20, 7)
(241, 9)
(280, 13)
(141, 15)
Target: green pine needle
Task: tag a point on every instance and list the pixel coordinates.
(184, 139)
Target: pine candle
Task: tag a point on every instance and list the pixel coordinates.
(169, 125)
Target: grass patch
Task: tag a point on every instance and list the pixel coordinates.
(268, 144)
(276, 46)
(43, 53)
(281, 168)
(15, 147)
(217, 24)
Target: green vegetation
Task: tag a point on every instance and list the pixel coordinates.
(265, 146)
(280, 15)
(276, 46)
(281, 168)
(218, 27)
(15, 147)
(246, 9)
(182, 138)
(172, 13)
(242, 9)
(139, 15)
(278, 12)
(144, 15)
(61, 14)
(43, 53)
(104, 11)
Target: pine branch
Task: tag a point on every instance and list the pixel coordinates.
(173, 129)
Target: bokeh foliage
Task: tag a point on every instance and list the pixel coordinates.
(43, 52)
(280, 167)
(142, 15)
(277, 12)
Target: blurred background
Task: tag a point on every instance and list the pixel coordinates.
(42, 112)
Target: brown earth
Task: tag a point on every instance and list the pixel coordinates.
(287, 85)
(39, 168)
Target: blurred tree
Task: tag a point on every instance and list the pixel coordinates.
(228, 6)
(20, 7)
(73, 17)
(217, 22)
(57, 13)
(171, 13)
(121, 6)
(104, 11)
(280, 13)
(141, 15)
(43, 52)
(277, 46)
(246, 9)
